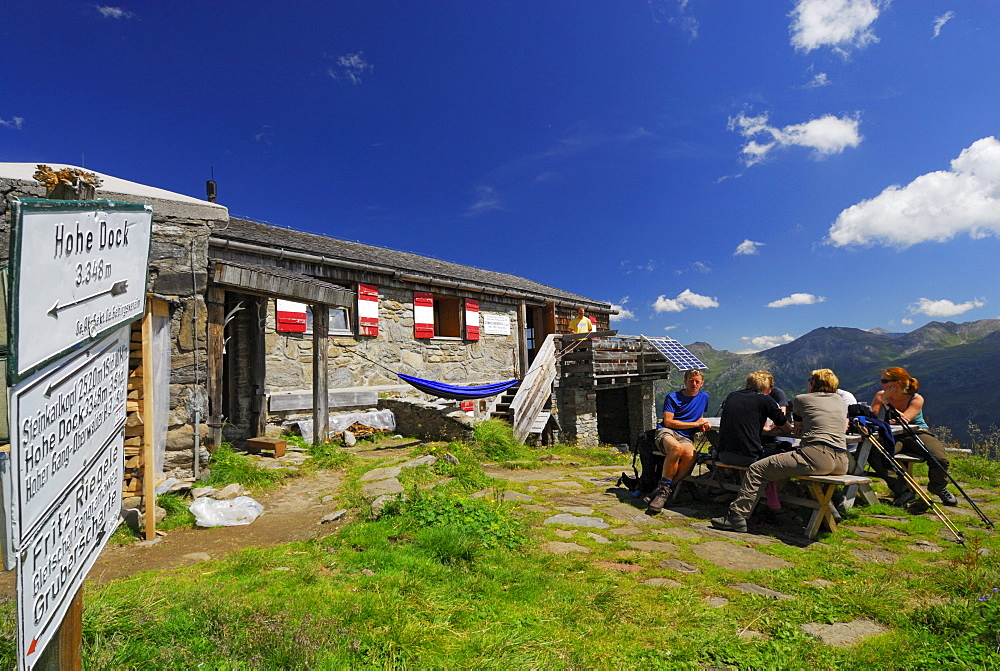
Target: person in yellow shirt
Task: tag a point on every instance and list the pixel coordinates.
(582, 323)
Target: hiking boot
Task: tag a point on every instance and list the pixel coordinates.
(658, 499)
(918, 507)
(947, 498)
(730, 522)
(904, 499)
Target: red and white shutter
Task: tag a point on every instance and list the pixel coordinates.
(423, 315)
(368, 309)
(471, 319)
(291, 316)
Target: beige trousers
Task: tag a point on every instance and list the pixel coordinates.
(809, 459)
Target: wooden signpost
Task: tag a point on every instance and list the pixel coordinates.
(77, 279)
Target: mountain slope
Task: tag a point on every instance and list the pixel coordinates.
(957, 366)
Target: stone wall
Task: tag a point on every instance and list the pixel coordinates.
(428, 421)
(178, 269)
(578, 415)
(492, 358)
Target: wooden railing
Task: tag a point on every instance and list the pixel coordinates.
(610, 361)
(535, 389)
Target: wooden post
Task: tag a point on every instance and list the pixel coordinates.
(321, 400)
(148, 410)
(216, 314)
(522, 339)
(65, 651)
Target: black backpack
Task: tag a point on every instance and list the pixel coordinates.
(652, 464)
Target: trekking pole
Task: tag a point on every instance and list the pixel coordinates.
(893, 414)
(908, 479)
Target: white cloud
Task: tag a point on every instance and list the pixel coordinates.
(628, 267)
(825, 136)
(662, 11)
(15, 122)
(109, 12)
(758, 343)
(487, 200)
(833, 23)
(685, 299)
(265, 135)
(670, 328)
(906, 320)
(943, 307)
(351, 67)
(818, 81)
(696, 267)
(747, 248)
(796, 299)
(935, 207)
(939, 21)
(623, 313)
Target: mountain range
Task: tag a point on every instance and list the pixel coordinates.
(956, 365)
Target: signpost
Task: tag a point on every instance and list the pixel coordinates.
(77, 279)
(78, 269)
(63, 417)
(58, 555)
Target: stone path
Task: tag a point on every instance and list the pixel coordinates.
(580, 511)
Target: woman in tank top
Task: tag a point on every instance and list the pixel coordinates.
(900, 391)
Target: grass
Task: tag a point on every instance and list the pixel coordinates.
(445, 580)
(228, 466)
(406, 591)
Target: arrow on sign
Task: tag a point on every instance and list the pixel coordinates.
(56, 384)
(116, 289)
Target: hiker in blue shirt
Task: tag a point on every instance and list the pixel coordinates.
(683, 416)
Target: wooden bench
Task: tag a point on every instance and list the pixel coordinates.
(820, 487)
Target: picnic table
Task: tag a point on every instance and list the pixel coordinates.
(820, 487)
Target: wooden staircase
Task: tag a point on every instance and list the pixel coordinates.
(528, 406)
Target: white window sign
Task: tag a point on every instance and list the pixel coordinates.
(496, 324)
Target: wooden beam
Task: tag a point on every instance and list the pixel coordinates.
(522, 335)
(281, 402)
(148, 435)
(216, 300)
(65, 651)
(321, 400)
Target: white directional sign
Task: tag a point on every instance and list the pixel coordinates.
(61, 418)
(59, 554)
(79, 269)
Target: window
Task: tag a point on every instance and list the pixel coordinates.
(447, 317)
(440, 316)
(340, 321)
(294, 317)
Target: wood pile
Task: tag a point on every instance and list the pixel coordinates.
(360, 431)
(134, 426)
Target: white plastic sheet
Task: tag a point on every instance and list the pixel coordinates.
(376, 419)
(211, 513)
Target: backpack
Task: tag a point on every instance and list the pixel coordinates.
(643, 449)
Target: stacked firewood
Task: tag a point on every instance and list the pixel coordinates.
(133, 421)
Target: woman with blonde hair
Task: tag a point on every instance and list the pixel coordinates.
(900, 391)
(821, 424)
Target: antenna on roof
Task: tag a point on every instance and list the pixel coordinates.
(210, 187)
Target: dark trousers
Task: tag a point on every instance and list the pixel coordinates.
(937, 476)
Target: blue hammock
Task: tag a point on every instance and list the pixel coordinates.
(442, 390)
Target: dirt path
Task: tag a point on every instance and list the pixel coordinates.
(292, 512)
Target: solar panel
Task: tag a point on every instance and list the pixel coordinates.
(675, 353)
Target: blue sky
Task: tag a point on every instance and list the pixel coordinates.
(736, 172)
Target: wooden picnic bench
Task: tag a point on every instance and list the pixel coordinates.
(819, 487)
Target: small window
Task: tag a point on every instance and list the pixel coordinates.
(447, 317)
(340, 321)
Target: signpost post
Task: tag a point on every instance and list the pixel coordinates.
(77, 279)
